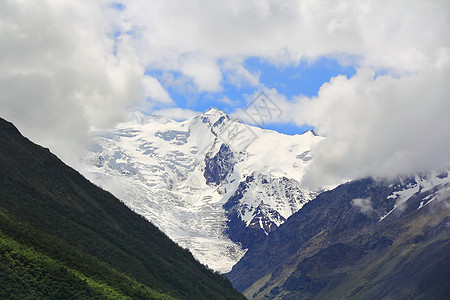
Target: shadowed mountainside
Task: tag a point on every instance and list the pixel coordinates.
(349, 243)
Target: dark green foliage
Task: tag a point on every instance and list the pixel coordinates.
(62, 273)
(93, 241)
(37, 277)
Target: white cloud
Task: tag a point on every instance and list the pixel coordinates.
(381, 126)
(176, 113)
(154, 90)
(204, 72)
(388, 34)
(58, 74)
(228, 101)
(239, 76)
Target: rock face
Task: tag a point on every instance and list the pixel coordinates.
(211, 183)
(366, 239)
(219, 166)
(251, 209)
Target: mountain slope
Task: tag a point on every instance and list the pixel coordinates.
(365, 239)
(61, 234)
(211, 183)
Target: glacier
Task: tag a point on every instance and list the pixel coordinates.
(211, 183)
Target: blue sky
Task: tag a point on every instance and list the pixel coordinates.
(302, 79)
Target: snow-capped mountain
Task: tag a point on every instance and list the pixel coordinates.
(211, 183)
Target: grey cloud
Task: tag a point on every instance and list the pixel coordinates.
(364, 205)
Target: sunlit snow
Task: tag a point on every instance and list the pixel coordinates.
(156, 166)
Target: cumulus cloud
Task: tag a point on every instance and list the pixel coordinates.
(59, 76)
(380, 126)
(204, 72)
(387, 34)
(239, 76)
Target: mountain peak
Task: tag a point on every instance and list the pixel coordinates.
(215, 111)
(6, 125)
(311, 131)
(212, 115)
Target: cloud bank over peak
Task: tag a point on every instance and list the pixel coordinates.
(380, 126)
